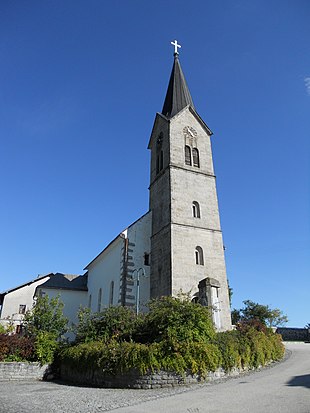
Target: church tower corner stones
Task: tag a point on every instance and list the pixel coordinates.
(186, 239)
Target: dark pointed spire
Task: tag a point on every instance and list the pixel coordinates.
(178, 96)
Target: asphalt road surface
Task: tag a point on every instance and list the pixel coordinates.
(283, 388)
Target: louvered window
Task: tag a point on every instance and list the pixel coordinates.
(188, 157)
(196, 158)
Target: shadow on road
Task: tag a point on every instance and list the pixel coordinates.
(301, 381)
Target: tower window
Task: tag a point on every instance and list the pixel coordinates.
(159, 161)
(188, 156)
(159, 154)
(196, 158)
(196, 209)
(146, 259)
(199, 256)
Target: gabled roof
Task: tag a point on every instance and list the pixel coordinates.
(122, 235)
(66, 282)
(178, 95)
(39, 277)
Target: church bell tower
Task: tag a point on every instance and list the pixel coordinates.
(187, 250)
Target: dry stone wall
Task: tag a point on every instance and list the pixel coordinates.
(22, 371)
(133, 379)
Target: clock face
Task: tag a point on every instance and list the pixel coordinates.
(189, 132)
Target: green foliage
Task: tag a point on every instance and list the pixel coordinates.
(47, 315)
(176, 335)
(2, 329)
(16, 348)
(228, 343)
(117, 323)
(254, 311)
(114, 357)
(176, 320)
(45, 346)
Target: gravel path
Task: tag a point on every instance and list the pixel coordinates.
(51, 397)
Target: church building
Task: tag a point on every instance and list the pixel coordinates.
(177, 245)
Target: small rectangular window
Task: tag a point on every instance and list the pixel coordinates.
(22, 309)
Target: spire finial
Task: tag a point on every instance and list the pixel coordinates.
(176, 45)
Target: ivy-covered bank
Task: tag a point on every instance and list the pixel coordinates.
(176, 336)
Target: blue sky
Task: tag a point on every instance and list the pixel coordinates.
(81, 82)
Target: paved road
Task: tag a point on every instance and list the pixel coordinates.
(284, 388)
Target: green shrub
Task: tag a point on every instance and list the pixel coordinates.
(176, 335)
(113, 357)
(46, 315)
(228, 343)
(117, 323)
(16, 348)
(45, 346)
(176, 320)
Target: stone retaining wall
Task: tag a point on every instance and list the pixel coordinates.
(22, 371)
(133, 379)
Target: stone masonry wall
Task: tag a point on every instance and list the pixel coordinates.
(133, 379)
(22, 371)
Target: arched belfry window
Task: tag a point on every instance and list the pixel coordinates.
(199, 256)
(196, 158)
(188, 155)
(196, 209)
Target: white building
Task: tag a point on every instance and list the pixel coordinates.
(15, 302)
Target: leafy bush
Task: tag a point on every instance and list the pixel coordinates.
(117, 323)
(245, 325)
(16, 348)
(46, 315)
(176, 320)
(114, 357)
(176, 335)
(46, 345)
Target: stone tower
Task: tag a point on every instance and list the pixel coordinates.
(186, 244)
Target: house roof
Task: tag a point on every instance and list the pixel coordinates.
(39, 277)
(122, 235)
(61, 281)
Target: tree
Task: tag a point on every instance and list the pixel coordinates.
(46, 316)
(254, 311)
